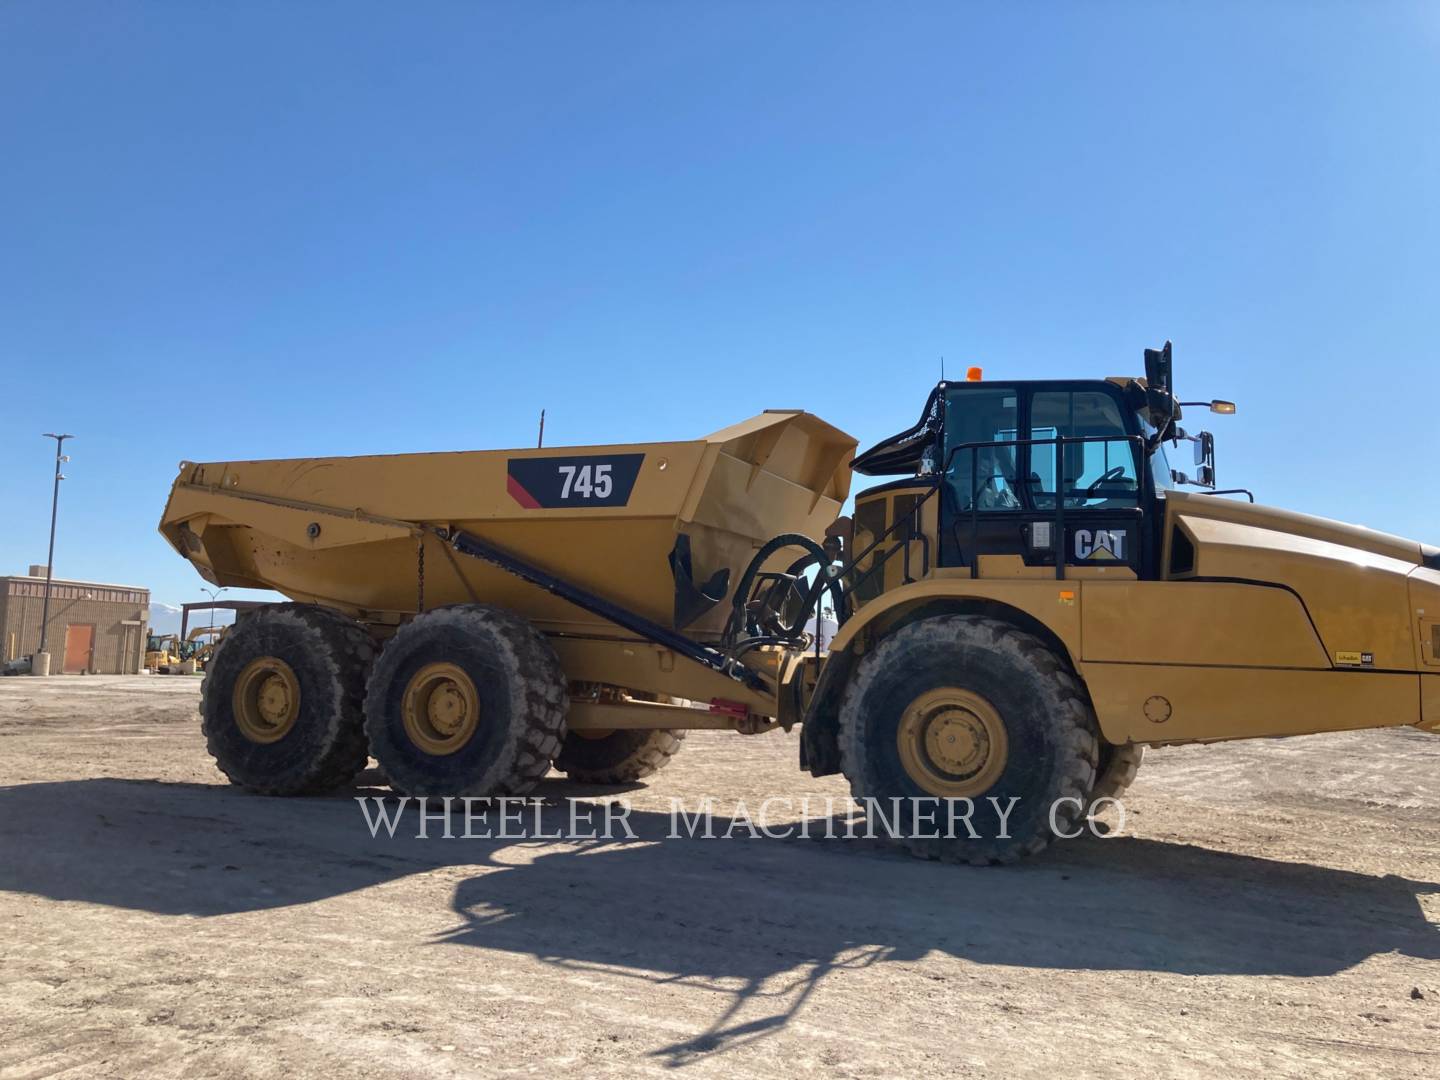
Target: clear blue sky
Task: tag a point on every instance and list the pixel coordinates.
(269, 230)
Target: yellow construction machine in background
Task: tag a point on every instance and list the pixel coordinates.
(163, 654)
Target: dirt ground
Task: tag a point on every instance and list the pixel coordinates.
(1270, 907)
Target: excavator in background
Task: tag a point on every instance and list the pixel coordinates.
(202, 641)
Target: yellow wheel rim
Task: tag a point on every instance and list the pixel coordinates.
(266, 700)
(441, 709)
(952, 743)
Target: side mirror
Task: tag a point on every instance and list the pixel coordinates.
(1225, 408)
(1205, 459)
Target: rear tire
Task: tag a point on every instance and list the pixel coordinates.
(466, 700)
(621, 757)
(963, 707)
(280, 706)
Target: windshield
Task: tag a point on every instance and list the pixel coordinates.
(1098, 472)
(1002, 448)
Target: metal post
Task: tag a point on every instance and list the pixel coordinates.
(214, 594)
(60, 459)
(1060, 546)
(975, 510)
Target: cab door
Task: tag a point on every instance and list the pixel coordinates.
(1098, 478)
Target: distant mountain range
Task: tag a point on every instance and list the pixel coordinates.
(165, 618)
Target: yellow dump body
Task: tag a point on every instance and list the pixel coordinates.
(348, 532)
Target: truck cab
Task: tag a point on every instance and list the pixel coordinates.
(1055, 508)
(1019, 479)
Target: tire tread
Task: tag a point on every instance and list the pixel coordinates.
(646, 759)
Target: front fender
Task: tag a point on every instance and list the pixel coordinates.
(1046, 605)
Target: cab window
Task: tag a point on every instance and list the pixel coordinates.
(1099, 473)
(985, 477)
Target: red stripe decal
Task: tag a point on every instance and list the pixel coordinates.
(520, 495)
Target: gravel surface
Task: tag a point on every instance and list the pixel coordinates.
(1268, 907)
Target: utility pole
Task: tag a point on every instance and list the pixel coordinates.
(214, 594)
(60, 460)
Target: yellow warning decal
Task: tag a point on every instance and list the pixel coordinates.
(1354, 659)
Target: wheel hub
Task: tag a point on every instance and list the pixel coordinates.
(956, 742)
(266, 700)
(274, 700)
(441, 709)
(952, 743)
(447, 709)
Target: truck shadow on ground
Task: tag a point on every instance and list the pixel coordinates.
(754, 919)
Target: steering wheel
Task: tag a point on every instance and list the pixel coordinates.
(1110, 474)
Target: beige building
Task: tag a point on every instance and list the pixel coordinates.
(94, 628)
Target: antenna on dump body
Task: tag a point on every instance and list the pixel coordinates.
(942, 368)
(540, 442)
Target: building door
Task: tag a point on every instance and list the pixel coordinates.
(79, 648)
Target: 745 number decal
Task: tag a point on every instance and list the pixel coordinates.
(578, 478)
(591, 480)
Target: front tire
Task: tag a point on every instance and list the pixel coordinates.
(467, 700)
(280, 706)
(957, 708)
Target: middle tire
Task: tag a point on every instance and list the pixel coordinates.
(1116, 771)
(466, 700)
(619, 757)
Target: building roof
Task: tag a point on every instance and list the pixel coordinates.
(74, 581)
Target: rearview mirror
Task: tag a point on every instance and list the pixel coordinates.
(1205, 459)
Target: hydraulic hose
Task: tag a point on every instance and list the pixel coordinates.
(815, 555)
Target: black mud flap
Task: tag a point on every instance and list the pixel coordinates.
(691, 600)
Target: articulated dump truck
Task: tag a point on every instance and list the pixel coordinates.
(1028, 601)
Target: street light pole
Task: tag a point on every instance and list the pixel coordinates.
(213, 594)
(60, 459)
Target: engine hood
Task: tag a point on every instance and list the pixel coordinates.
(1371, 596)
(1307, 526)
